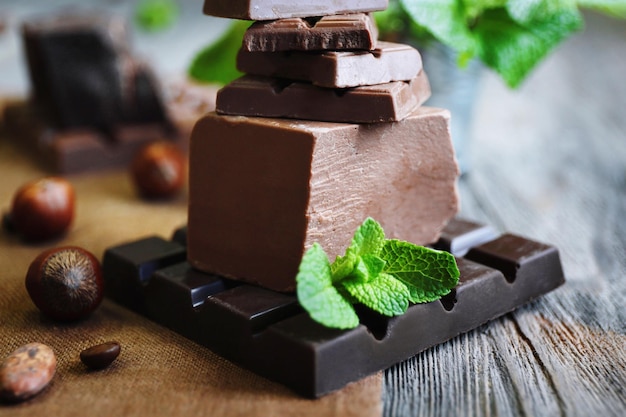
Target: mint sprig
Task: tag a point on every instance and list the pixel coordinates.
(384, 275)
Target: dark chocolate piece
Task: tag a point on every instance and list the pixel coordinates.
(388, 62)
(269, 334)
(281, 9)
(279, 98)
(262, 191)
(80, 150)
(132, 264)
(335, 33)
(84, 76)
(459, 235)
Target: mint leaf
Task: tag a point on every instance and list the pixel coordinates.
(615, 8)
(217, 62)
(317, 294)
(513, 50)
(528, 12)
(383, 294)
(384, 275)
(446, 20)
(366, 268)
(429, 274)
(368, 238)
(155, 15)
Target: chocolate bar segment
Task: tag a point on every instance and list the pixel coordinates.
(388, 62)
(281, 9)
(263, 190)
(460, 235)
(268, 333)
(338, 32)
(279, 98)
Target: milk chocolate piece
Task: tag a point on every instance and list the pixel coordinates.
(281, 9)
(339, 32)
(388, 62)
(272, 97)
(262, 190)
(268, 332)
(84, 76)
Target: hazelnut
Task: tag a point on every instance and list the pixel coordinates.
(65, 283)
(158, 170)
(43, 209)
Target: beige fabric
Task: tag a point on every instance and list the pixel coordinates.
(158, 372)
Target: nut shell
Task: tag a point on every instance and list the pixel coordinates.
(26, 372)
(43, 209)
(159, 170)
(65, 283)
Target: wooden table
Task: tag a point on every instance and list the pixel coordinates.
(548, 162)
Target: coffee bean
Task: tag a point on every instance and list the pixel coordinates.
(100, 356)
(27, 371)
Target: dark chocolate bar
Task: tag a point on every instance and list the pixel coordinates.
(338, 33)
(268, 332)
(279, 98)
(281, 9)
(337, 69)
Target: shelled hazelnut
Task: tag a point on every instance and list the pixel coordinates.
(158, 170)
(65, 283)
(42, 209)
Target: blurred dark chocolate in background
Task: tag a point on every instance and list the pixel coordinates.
(84, 75)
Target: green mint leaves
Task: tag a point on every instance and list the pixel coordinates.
(509, 36)
(384, 275)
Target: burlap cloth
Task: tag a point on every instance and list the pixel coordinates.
(158, 373)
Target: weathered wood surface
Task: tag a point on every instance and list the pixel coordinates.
(549, 163)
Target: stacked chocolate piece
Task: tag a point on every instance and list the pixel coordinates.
(325, 129)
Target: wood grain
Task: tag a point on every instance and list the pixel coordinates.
(549, 163)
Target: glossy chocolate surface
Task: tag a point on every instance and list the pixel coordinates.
(337, 69)
(335, 33)
(279, 98)
(280, 9)
(268, 333)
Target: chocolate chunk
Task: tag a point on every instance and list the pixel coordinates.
(269, 334)
(281, 9)
(270, 97)
(100, 356)
(339, 32)
(459, 235)
(84, 76)
(388, 62)
(134, 263)
(263, 190)
(79, 149)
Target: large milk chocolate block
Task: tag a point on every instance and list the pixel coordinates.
(268, 332)
(253, 95)
(388, 62)
(339, 32)
(281, 9)
(84, 76)
(262, 190)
